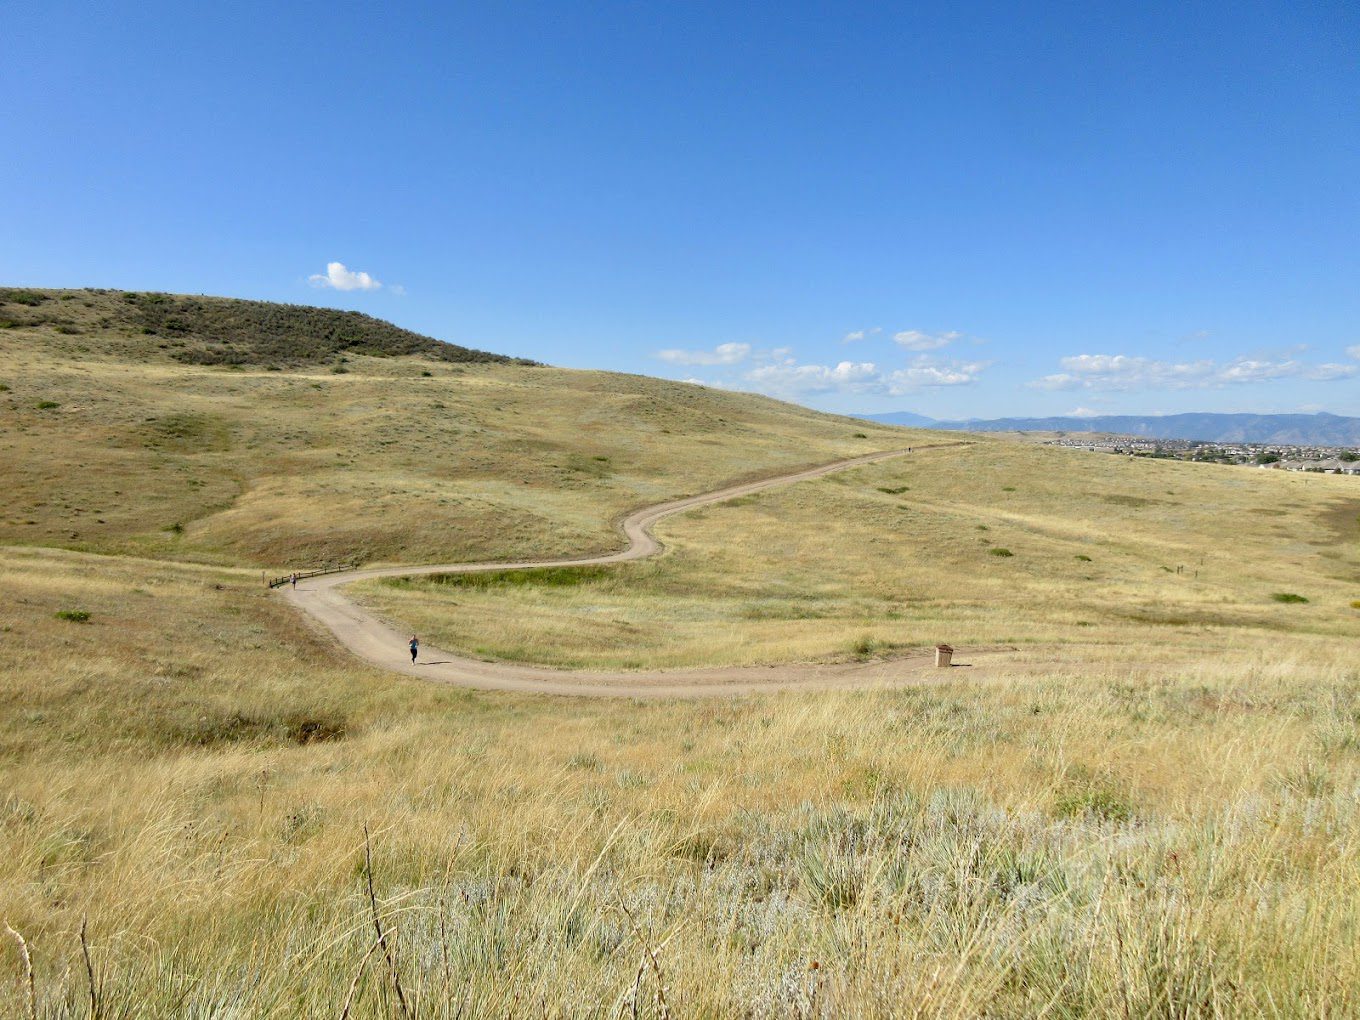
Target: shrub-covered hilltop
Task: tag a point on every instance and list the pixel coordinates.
(221, 331)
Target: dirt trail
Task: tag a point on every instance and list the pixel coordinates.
(323, 599)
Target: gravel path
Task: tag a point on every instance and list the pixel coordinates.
(323, 599)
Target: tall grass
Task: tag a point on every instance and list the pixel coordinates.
(1087, 843)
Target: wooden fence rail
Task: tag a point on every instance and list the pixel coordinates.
(279, 582)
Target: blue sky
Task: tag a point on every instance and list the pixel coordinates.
(956, 209)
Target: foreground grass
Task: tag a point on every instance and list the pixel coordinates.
(192, 772)
(1104, 552)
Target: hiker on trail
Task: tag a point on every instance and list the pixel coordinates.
(293, 577)
(415, 648)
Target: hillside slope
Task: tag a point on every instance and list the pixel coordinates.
(214, 330)
(111, 446)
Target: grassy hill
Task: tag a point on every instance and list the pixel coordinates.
(214, 331)
(109, 445)
(1152, 813)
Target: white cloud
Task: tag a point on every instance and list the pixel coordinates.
(783, 376)
(339, 277)
(1354, 352)
(860, 334)
(723, 354)
(1125, 372)
(1084, 412)
(916, 340)
(1331, 372)
(788, 378)
(926, 371)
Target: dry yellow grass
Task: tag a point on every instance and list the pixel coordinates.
(192, 771)
(189, 769)
(383, 463)
(1104, 551)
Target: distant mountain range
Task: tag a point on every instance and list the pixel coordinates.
(1292, 429)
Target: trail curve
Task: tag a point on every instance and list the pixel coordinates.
(323, 600)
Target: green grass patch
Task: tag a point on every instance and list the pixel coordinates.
(73, 615)
(998, 551)
(1099, 802)
(22, 297)
(47, 405)
(536, 577)
(1288, 597)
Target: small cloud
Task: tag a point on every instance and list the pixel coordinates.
(1354, 352)
(1084, 412)
(787, 378)
(916, 340)
(1125, 372)
(723, 354)
(860, 334)
(340, 277)
(1331, 372)
(926, 371)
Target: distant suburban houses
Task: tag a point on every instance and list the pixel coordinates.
(1272, 456)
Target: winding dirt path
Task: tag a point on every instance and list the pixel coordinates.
(323, 599)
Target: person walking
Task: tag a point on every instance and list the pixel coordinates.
(293, 577)
(415, 648)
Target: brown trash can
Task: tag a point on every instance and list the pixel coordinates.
(944, 655)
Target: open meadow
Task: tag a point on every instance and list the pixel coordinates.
(994, 542)
(208, 810)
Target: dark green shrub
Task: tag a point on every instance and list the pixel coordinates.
(74, 615)
(1288, 597)
(1000, 552)
(47, 405)
(1100, 801)
(22, 297)
(537, 577)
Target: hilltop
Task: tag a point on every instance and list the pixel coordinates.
(217, 331)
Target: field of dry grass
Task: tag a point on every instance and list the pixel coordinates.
(118, 450)
(1103, 552)
(190, 772)
(187, 771)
